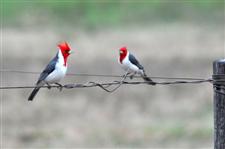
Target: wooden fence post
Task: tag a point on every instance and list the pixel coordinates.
(219, 103)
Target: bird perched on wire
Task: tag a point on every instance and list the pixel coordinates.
(54, 71)
(131, 64)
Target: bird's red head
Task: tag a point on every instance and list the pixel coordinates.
(123, 53)
(65, 50)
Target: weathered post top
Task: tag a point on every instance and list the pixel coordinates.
(219, 103)
(219, 66)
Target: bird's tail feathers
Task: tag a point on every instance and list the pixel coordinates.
(33, 94)
(148, 79)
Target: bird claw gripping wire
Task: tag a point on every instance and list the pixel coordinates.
(49, 86)
(59, 86)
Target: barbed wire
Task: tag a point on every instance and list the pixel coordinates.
(101, 75)
(218, 84)
(108, 84)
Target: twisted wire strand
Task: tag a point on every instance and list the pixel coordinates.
(108, 84)
(218, 84)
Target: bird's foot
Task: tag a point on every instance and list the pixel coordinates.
(60, 87)
(131, 77)
(48, 86)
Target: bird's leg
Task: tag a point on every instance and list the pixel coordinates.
(60, 87)
(127, 74)
(49, 86)
(132, 75)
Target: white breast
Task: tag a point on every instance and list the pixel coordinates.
(59, 72)
(126, 64)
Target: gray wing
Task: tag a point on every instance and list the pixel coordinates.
(48, 69)
(134, 61)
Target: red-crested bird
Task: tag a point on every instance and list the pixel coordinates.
(54, 71)
(129, 63)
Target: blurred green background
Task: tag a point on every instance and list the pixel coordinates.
(170, 38)
(103, 13)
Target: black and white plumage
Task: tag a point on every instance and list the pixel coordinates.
(129, 63)
(54, 71)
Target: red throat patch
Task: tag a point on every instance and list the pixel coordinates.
(123, 54)
(65, 50)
